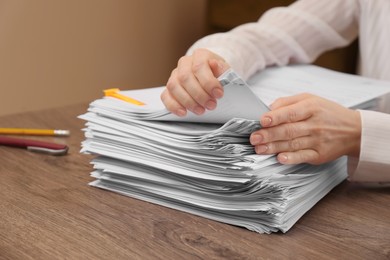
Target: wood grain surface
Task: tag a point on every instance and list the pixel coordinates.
(48, 211)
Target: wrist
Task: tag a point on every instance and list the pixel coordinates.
(356, 134)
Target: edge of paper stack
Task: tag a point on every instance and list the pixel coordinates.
(204, 165)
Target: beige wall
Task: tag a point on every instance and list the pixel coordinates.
(59, 52)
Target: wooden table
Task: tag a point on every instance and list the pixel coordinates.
(48, 211)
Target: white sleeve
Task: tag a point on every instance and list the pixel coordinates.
(298, 33)
(373, 164)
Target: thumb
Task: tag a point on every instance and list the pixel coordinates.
(218, 67)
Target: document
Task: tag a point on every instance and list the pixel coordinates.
(205, 165)
(238, 102)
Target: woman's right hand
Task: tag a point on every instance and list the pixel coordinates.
(193, 85)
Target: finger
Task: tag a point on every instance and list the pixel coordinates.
(286, 101)
(287, 114)
(218, 67)
(302, 156)
(282, 132)
(207, 73)
(172, 105)
(293, 145)
(180, 95)
(188, 81)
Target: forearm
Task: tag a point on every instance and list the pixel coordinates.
(298, 33)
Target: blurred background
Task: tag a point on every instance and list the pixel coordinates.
(60, 52)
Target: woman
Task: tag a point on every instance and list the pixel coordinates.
(302, 128)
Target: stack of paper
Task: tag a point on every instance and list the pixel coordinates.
(204, 164)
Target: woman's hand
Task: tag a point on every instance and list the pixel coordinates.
(193, 85)
(308, 129)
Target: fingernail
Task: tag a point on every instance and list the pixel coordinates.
(256, 139)
(282, 158)
(211, 104)
(198, 110)
(266, 121)
(181, 112)
(261, 148)
(217, 92)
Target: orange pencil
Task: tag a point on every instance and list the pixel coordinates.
(24, 131)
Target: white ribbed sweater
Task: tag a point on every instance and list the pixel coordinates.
(302, 31)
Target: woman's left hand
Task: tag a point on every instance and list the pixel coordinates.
(308, 129)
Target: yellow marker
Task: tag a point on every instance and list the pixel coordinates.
(24, 131)
(113, 92)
